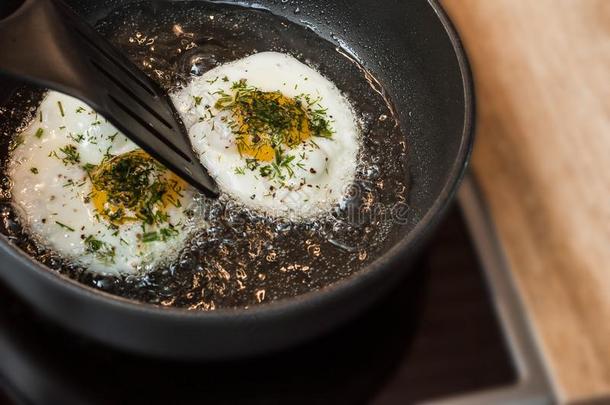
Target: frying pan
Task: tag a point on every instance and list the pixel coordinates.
(411, 48)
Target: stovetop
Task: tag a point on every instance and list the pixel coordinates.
(451, 332)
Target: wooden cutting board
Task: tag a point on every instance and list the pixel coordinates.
(542, 158)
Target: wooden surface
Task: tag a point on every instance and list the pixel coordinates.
(542, 72)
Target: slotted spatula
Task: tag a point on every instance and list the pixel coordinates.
(44, 42)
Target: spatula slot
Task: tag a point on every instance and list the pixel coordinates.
(149, 127)
(127, 91)
(115, 61)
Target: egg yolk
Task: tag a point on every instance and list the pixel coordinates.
(134, 187)
(264, 121)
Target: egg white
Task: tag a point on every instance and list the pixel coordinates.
(52, 194)
(327, 169)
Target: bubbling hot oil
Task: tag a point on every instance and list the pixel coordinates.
(243, 257)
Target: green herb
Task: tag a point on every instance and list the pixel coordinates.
(268, 120)
(68, 183)
(252, 164)
(150, 237)
(102, 250)
(167, 233)
(69, 155)
(65, 226)
(138, 185)
(107, 154)
(34, 170)
(265, 171)
(93, 244)
(320, 125)
(80, 110)
(286, 161)
(197, 100)
(76, 137)
(39, 133)
(116, 215)
(61, 108)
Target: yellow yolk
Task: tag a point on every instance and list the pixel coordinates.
(132, 186)
(264, 118)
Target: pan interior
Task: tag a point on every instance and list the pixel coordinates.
(244, 258)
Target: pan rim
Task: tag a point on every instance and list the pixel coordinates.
(327, 293)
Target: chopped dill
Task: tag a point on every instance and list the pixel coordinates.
(150, 237)
(65, 226)
(167, 233)
(163, 235)
(34, 170)
(70, 155)
(76, 137)
(39, 133)
(265, 171)
(267, 124)
(88, 167)
(61, 108)
(107, 154)
(135, 187)
(102, 250)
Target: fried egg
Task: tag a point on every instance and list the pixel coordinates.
(92, 195)
(275, 134)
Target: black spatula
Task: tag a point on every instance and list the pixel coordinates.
(45, 43)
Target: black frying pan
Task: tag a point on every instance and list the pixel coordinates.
(412, 50)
